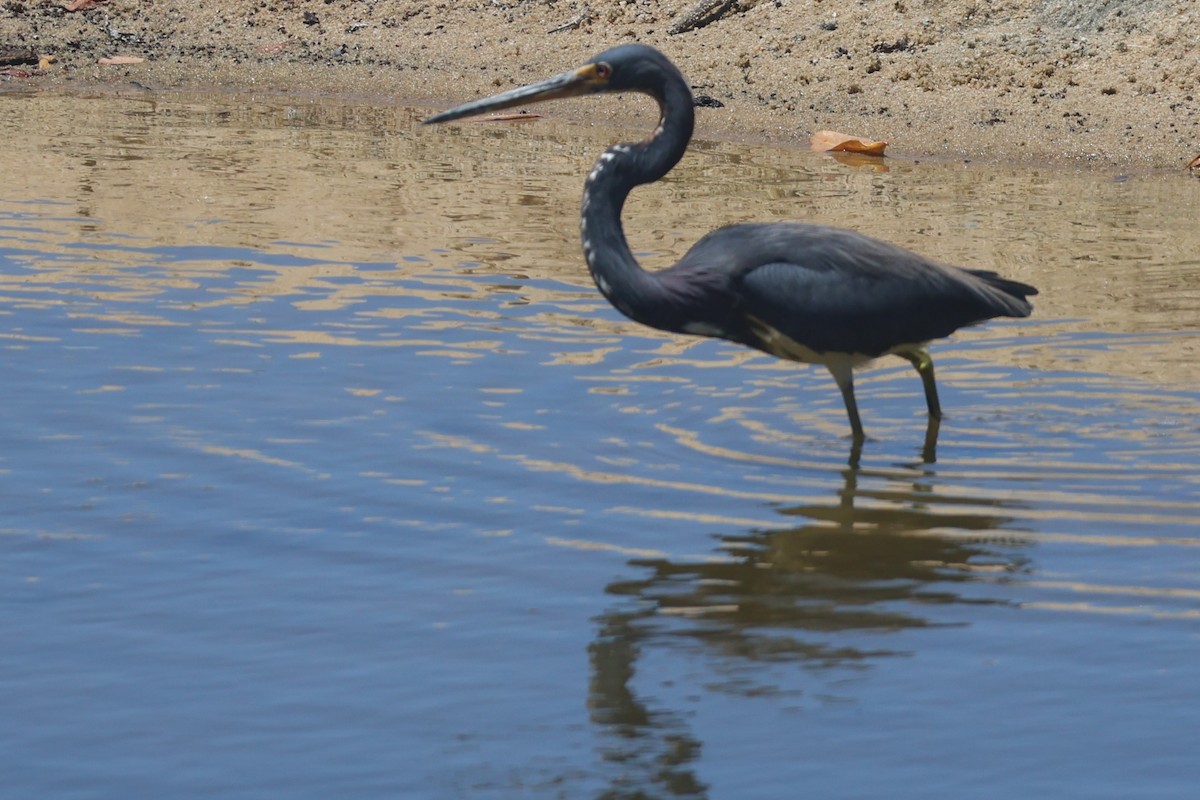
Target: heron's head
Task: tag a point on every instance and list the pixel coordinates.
(626, 68)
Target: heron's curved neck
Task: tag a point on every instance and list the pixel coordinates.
(635, 292)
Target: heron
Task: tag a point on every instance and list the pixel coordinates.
(799, 291)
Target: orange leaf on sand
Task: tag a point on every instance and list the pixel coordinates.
(118, 60)
(832, 140)
(1194, 163)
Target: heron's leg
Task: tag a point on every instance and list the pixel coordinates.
(844, 375)
(929, 450)
(920, 358)
(855, 459)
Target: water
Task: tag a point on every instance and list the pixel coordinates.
(327, 473)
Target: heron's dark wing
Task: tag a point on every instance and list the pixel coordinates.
(834, 290)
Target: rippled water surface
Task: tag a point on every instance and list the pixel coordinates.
(326, 472)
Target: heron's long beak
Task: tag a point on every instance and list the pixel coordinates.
(569, 84)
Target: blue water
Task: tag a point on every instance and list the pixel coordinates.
(326, 473)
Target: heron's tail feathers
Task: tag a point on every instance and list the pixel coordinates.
(1016, 292)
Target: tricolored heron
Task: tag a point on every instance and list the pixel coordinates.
(808, 293)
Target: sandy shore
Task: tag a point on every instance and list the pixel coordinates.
(1095, 81)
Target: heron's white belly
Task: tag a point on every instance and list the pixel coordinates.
(783, 346)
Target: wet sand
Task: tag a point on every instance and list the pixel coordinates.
(1106, 82)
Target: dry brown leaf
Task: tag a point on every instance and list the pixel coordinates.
(1194, 163)
(83, 5)
(118, 60)
(832, 140)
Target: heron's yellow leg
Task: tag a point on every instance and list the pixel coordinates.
(920, 358)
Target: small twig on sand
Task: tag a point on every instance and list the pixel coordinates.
(12, 58)
(574, 22)
(706, 12)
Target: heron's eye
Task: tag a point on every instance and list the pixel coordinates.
(603, 70)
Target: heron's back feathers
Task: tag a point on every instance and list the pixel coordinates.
(835, 290)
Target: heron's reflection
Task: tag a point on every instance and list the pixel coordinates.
(869, 562)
